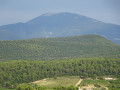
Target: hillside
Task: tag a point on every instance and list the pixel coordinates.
(4, 35)
(59, 25)
(58, 48)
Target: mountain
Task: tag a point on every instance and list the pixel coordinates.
(58, 48)
(62, 24)
(5, 35)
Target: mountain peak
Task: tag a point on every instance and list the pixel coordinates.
(62, 17)
(59, 13)
(48, 14)
(62, 24)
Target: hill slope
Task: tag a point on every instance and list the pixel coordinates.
(4, 35)
(63, 47)
(62, 24)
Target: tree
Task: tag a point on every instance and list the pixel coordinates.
(24, 87)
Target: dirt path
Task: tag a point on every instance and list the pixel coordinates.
(78, 82)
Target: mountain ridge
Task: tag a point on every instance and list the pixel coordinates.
(62, 24)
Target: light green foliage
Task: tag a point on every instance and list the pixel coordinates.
(101, 84)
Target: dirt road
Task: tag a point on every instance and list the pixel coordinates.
(78, 82)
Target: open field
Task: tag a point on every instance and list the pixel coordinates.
(59, 81)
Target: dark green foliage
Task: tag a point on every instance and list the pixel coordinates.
(7, 84)
(101, 78)
(6, 89)
(27, 71)
(58, 48)
(72, 88)
(40, 88)
(60, 88)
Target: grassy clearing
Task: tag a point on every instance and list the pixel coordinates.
(59, 81)
(100, 82)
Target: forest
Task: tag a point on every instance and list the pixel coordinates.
(17, 72)
(25, 61)
(83, 46)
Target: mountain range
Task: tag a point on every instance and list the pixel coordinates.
(59, 25)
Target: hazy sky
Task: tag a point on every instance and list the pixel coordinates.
(13, 11)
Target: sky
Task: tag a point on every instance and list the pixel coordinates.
(13, 11)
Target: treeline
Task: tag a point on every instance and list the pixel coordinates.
(30, 87)
(16, 72)
(59, 48)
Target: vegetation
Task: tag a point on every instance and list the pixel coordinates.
(58, 81)
(110, 84)
(16, 72)
(28, 87)
(94, 82)
(114, 85)
(6, 89)
(25, 61)
(24, 87)
(58, 48)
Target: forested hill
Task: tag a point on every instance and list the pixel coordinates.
(58, 48)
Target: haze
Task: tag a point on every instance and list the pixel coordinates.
(13, 11)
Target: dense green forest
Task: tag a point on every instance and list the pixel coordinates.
(24, 61)
(16, 72)
(58, 48)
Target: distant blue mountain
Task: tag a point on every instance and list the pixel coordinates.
(59, 25)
